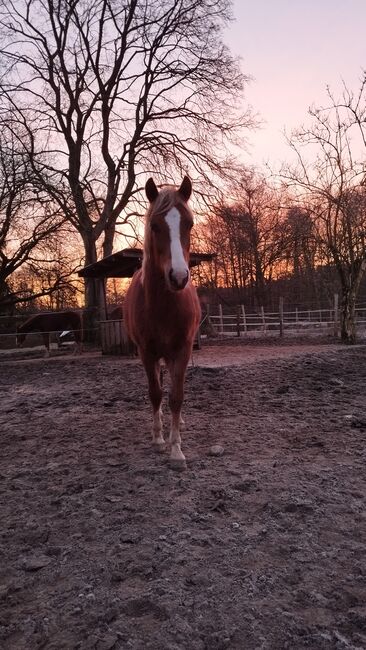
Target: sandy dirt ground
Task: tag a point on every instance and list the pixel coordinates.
(262, 547)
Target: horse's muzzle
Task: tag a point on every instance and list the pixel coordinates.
(178, 281)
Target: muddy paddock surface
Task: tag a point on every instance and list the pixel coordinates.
(103, 546)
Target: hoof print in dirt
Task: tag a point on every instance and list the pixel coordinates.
(358, 423)
(139, 607)
(35, 563)
(107, 643)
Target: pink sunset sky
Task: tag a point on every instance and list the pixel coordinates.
(293, 49)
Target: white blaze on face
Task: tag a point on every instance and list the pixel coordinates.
(179, 264)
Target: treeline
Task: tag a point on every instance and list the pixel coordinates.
(306, 223)
(267, 246)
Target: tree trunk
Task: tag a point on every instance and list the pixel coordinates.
(260, 286)
(92, 293)
(348, 325)
(109, 233)
(351, 281)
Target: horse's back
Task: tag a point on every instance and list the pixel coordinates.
(74, 318)
(53, 321)
(63, 319)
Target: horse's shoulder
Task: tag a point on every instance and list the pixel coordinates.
(135, 287)
(137, 278)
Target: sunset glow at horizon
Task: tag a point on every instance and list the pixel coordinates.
(293, 51)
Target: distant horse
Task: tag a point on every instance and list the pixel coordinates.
(115, 313)
(161, 309)
(52, 322)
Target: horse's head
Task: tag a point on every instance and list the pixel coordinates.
(167, 233)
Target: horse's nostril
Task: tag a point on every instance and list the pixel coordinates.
(172, 279)
(176, 280)
(185, 280)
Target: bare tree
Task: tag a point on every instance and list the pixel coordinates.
(52, 271)
(27, 216)
(262, 217)
(302, 253)
(112, 90)
(249, 235)
(332, 186)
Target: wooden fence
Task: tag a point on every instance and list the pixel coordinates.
(114, 339)
(238, 323)
(242, 323)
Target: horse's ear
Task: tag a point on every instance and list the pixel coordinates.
(185, 189)
(151, 190)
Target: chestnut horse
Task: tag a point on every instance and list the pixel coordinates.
(161, 309)
(52, 322)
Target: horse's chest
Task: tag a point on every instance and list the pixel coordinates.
(168, 332)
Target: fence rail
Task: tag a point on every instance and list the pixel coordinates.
(296, 321)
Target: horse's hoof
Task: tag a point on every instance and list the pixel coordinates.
(178, 464)
(159, 447)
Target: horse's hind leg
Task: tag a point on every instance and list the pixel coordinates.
(78, 347)
(155, 393)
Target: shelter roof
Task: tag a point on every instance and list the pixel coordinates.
(123, 264)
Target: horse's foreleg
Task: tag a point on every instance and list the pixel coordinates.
(155, 393)
(177, 373)
(79, 341)
(46, 341)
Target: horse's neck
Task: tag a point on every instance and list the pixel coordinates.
(155, 289)
(153, 281)
(30, 326)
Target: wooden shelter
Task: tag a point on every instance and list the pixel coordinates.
(122, 264)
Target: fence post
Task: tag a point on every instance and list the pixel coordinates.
(336, 315)
(211, 325)
(263, 319)
(244, 318)
(238, 320)
(281, 317)
(221, 326)
(208, 314)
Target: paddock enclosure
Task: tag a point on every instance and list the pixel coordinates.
(259, 544)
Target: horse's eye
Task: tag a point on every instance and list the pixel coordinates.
(154, 227)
